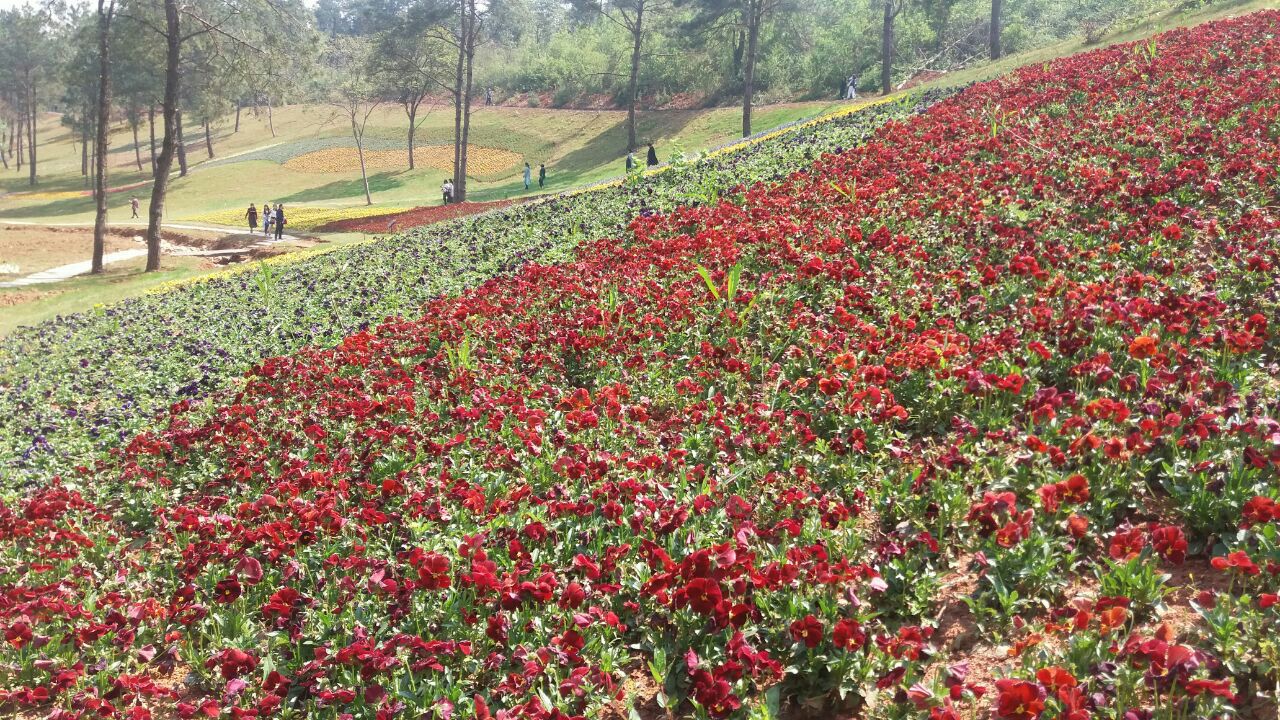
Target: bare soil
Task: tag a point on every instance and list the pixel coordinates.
(26, 250)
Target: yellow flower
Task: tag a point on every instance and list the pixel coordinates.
(299, 217)
(480, 160)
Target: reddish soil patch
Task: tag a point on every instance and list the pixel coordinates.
(10, 298)
(27, 249)
(921, 78)
(412, 218)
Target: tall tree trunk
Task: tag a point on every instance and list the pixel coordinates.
(996, 6)
(270, 123)
(21, 130)
(182, 148)
(137, 148)
(105, 12)
(358, 133)
(459, 77)
(460, 185)
(208, 140)
(151, 122)
(173, 43)
(739, 47)
(31, 134)
(754, 11)
(411, 109)
(84, 149)
(886, 49)
(237, 118)
(91, 152)
(637, 37)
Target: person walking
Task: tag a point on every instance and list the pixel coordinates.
(653, 156)
(134, 204)
(851, 87)
(446, 190)
(528, 177)
(631, 162)
(488, 96)
(252, 215)
(266, 218)
(280, 221)
(542, 175)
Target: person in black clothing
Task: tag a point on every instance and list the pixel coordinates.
(653, 156)
(279, 222)
(542, 174)
(252, 215)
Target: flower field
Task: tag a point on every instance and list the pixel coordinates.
(977, 416)
(414, 218)
(482, 161)
(301, 217)
(63, 402)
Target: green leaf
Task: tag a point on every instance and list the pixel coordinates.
(706, 278)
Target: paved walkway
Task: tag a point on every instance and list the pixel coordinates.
(58, 274)
(140, 224)
(65, 272)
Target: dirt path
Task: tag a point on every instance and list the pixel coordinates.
(171, 226)
(63, 272)
(70, 270)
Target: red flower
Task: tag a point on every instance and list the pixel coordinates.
(573, 595)
(18, 634)
(1019, 699)
(1238, 560)
(1170, 543)
(233, 663)
(848, 635)
(433, 572)
(702, 595)
(1142, 347)
(1075, 489)
(1221, 688)
(807, 630)
(227, 590)
(281, 605)
(1077, 526)
(1127, 544)
(1258, 511)
(714, 694)
(1054, 678)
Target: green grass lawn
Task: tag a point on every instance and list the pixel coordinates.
(577, 146)
(38, 303)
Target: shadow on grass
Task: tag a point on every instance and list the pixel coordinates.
(605, 154)
(68, 206)
(342, 189)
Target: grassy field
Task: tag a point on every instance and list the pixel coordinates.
(37, 303)
(578, 146)
(250, 166)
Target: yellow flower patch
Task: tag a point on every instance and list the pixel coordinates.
(50, 195)
(480, 160)
(299, 217)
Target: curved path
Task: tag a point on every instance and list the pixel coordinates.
(64, 272)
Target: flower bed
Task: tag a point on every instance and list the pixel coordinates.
(923, 430)
(481, 161)
(414, 218)
(301, 217)
(64, 402)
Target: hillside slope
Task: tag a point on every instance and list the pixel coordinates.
(977, 415)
